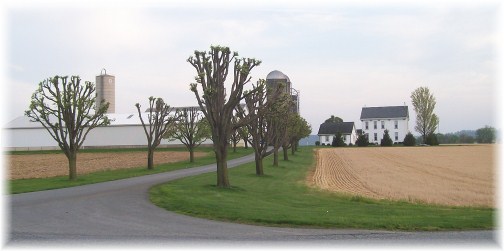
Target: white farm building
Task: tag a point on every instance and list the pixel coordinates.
(125, 131)
(328, 130)
(375, 120)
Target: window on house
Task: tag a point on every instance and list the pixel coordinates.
(396, 124)
(396, 136)
(326, 138)
(376, 137)
(382, 124)
(367, 125)
(375, 124)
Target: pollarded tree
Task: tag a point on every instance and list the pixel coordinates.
(191, 129)
(159, 120)
(66, 110)
(218, 102)
(296, 129)
(424, 104)
(279, 113)
(257, 106)
(245, 135)
(299, 128)
(235, 136)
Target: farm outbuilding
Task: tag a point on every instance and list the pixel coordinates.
(328, 130)
(124, 131)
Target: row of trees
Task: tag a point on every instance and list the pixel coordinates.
(484, 135)
(267, 117)
(66, 109)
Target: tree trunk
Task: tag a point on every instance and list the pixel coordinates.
(259, 164)
(191, 155)
(72, 164)
(234, 147)
(222, 171)
(285, 153)
(275, 157)
(294, 146)
(150, 159)
(246, 144)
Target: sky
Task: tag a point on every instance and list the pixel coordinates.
(340, 56)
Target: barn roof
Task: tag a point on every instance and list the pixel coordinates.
(332, 128)
(384, 112)
(116, 119)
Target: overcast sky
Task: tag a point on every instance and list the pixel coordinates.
(341, 57)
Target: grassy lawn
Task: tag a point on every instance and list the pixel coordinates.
(31, 185)
(281, 198)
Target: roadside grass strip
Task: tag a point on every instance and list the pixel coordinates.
(282, 198)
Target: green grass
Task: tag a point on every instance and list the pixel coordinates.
(31, 185)
(281, 198)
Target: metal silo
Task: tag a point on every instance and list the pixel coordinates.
(105, 90)
(277, 78)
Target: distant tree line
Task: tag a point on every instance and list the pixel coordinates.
(485, 135)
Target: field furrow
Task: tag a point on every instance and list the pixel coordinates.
(449, 175)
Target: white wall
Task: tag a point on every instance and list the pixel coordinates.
(389, 124)
(121, 136)
(347, 138)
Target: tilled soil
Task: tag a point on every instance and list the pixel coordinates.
(448, 175)
(50, 165)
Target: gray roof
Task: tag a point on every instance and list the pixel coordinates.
(116, 119)
(384, 112)
(333, 128)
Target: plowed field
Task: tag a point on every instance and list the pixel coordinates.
(447, 175)
(50, 165)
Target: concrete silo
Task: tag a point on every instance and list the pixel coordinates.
(105, 90)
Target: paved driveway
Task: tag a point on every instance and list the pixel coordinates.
(120, 213)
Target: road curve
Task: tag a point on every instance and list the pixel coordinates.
(119, 212)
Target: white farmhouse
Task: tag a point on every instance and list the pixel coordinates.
(328, 130)
(375, 120)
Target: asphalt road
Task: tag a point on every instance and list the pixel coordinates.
(120, 213)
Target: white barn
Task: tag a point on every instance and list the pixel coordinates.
(375, 120)
(125, 131)
(328, 130)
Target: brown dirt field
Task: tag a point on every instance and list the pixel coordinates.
(50, 165)
(448, 175)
